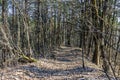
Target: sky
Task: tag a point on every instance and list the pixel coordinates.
(118, 19)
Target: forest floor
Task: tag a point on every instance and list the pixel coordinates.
(66, 66)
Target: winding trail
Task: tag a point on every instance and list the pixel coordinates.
(66, 66)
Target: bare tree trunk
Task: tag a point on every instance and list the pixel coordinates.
(18, 32)
(96, 54)
(26, 25)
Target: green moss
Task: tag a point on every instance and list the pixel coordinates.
(25, 59)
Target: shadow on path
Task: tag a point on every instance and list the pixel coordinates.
(35, 72)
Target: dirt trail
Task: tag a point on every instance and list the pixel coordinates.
(66, 66)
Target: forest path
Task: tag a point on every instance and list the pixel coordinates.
(66, 66)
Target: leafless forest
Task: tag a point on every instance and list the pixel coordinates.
(85, 31)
